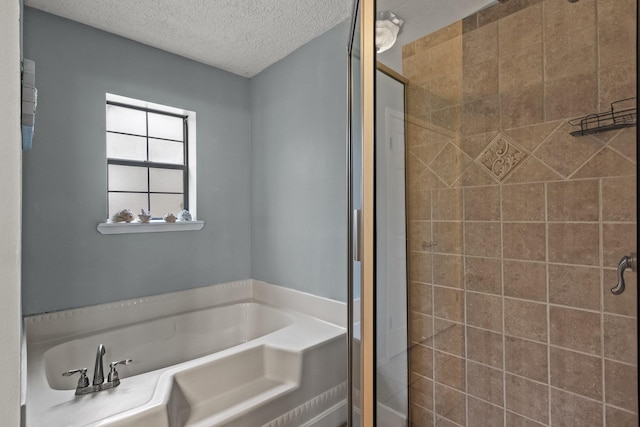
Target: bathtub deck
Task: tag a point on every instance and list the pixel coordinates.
(219, 410)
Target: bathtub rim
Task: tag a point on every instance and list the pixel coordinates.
(42, 327)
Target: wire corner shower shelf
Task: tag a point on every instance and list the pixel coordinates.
(623, 113)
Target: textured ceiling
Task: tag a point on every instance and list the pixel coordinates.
(246, 36)
(240, 36)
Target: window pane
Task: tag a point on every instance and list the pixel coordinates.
(167, 127)
(162, 204)
(127, 120)
(133, 201)
(166, 151)
(166, 180)
(126, 147)
(127, 178)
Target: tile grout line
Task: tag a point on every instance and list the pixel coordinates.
(555, 263)
(464, 301)
(598, 85)
(602, 330)
(548, 343)
(433, 327)
(617, 151)
(589, 159)
(460, 221)
(516, 299)
(544, 73)
(504, 339)
(538, 423)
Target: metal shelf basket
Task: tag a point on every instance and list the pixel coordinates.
(623, 113)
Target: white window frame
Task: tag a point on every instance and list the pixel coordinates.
(155, 226)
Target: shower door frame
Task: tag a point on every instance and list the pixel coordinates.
(367, 234)
(364, 229)
(367, 307)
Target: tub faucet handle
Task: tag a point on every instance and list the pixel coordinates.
(83, 381)
(113, 374)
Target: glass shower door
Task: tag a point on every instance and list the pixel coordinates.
(361, 217)
(391, 260)
(354, 210)
(516, 224)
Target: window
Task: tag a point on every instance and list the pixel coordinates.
(149, 148)
(147, 160)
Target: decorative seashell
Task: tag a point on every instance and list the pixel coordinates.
(144, 218)
(125, 215)
(184, 215)
(169, 217)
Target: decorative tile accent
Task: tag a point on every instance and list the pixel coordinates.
(532, 170)
(625, 143)
(450, 163)
(501, 156)
(475, 176)
(606, 163)
(530, 137)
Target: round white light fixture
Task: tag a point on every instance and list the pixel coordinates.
(388, 27)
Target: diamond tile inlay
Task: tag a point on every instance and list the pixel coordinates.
(501, 156)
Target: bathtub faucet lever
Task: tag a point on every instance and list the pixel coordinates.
(98, 372)
(113, 374)
(83, 381)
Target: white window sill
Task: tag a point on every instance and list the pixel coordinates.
(157, 226)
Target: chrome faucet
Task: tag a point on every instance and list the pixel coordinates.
(99, 384)
(98, 371)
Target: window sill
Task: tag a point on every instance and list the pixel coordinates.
(158, 226)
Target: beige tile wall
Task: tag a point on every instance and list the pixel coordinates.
(515, 226)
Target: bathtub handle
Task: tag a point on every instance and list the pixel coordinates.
(83, 381)
(113, 374)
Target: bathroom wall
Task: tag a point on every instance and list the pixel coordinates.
(66, 262)
(295, 112)
(10, 194)
(298, 167)
(515, 226)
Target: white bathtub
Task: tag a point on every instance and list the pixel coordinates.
(249, 361)
(167, 341)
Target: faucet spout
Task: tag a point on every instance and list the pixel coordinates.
(627, 262)
(98, 372)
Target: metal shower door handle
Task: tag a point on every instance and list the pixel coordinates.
(627, 262)
(357, 219)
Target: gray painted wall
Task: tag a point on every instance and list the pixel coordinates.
(298, 212)
(66, 262)
(279, 137)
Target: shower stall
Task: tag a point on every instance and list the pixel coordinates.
(493, 170)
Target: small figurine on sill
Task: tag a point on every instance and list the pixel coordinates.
(125, 215)
(184, 215)
(145, 216)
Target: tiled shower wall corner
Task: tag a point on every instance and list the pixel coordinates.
(516, 227)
